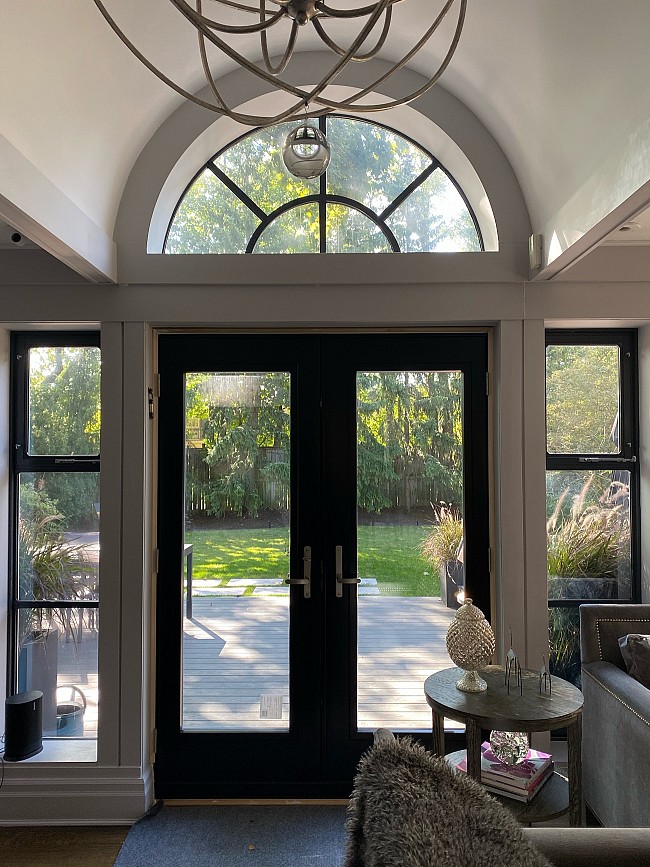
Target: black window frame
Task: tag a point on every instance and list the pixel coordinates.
(323, 198)
(627, 456)
(20, 461)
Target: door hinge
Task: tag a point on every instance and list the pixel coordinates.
(487, 383)
(150, 401)
(490, 560)
(155, 741)
(156, 560)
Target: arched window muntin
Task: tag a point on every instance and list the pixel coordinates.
(323, 198)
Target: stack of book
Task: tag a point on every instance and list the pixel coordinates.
(521, 782)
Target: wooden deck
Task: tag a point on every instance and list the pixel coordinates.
(235, 651)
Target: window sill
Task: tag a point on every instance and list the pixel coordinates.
(65, 750)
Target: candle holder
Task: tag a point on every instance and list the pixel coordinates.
(545, 679)
(513, 670)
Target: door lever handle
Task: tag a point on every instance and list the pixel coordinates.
(306, 579)
(340, 580)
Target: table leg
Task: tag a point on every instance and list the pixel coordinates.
(473, 735)
(438, 731)
(574, 748)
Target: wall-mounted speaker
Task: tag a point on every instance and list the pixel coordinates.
(23, 725)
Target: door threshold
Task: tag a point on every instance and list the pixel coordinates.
(255, 802)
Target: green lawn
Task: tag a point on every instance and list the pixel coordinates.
(387, 553)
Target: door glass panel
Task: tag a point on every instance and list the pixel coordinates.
(235, 670)
(410, 538)
(64, 409)
(582, 399)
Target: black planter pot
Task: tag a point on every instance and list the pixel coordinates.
(37, 669)
(452, 579)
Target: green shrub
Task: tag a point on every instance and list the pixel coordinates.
(590, 542)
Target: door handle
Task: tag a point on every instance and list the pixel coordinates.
(306, 572)
(340, 580)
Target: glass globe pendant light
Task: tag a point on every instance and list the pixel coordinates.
(306, 152)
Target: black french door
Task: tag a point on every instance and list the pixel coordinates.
(312, 459)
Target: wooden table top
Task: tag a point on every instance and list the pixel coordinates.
(495, 709)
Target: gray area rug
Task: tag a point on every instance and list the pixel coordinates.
(231, 836)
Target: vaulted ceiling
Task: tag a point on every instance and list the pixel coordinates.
(562, 87)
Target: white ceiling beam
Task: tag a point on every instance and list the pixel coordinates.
(38, 209)
(594, 237)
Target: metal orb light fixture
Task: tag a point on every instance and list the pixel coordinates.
(306, 152)
(291, 15)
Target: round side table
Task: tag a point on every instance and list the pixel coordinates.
(529, 711)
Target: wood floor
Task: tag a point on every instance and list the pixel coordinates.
(61, 846)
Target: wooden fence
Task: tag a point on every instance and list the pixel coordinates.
(273, 494)
(412, 491)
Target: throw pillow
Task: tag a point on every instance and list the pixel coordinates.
(635, 650)
(410, 809)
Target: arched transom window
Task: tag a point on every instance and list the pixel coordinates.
(381, 193)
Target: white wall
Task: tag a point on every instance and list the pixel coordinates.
(118, 787)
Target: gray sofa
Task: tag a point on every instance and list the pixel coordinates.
(616, 719)
(592, 847)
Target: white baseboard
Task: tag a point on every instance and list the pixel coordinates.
(105, 799)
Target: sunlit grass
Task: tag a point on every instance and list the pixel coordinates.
(239, 553)
(391, 555)
(386, 552)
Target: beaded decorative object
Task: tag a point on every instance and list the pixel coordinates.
(470, 645)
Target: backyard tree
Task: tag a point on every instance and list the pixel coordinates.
(409, 440)
(582, 405)
(582, 393)
(64, 419)
(244, 416)
(409, 431)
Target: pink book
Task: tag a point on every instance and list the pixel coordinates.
(521, 776)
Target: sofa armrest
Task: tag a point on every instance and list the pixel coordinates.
(586, 847)
(615, 746)
(602, 625)
(634, 697)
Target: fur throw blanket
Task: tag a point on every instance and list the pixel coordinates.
(410, 809)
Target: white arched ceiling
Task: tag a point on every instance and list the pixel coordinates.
(561, 87)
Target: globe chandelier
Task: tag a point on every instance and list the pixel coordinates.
(371, 24)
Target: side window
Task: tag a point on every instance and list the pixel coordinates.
(55, 509)
(591, 481)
